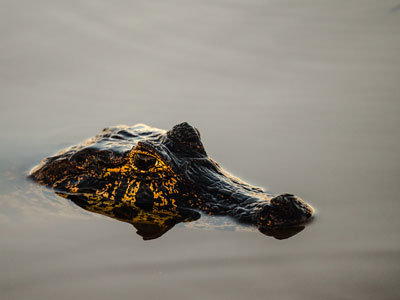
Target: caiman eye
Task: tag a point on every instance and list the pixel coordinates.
(144, 162)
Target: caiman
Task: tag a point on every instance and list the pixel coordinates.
(144, 175)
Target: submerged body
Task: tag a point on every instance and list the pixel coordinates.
(152, 170)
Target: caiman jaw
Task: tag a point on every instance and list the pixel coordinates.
(252, 205)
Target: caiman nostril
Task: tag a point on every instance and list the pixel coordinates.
(286, 210)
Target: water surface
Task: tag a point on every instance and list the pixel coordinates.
(295, 97)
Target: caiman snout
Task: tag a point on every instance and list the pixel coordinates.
(285, 210)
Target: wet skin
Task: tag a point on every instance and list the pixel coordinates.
(144, 175)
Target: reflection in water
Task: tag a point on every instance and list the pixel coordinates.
(153, 223)
(282, 233)
(150, 224)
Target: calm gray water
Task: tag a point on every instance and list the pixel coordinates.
(294, 96)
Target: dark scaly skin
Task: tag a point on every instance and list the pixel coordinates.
(151, 171)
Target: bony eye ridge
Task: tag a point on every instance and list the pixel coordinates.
(144, 162)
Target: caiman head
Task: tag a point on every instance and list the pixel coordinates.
(151, 169)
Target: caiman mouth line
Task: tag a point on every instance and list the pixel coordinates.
(165, 170)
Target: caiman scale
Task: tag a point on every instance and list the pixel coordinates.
(161, 176)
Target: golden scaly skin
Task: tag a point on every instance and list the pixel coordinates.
(155, 178)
